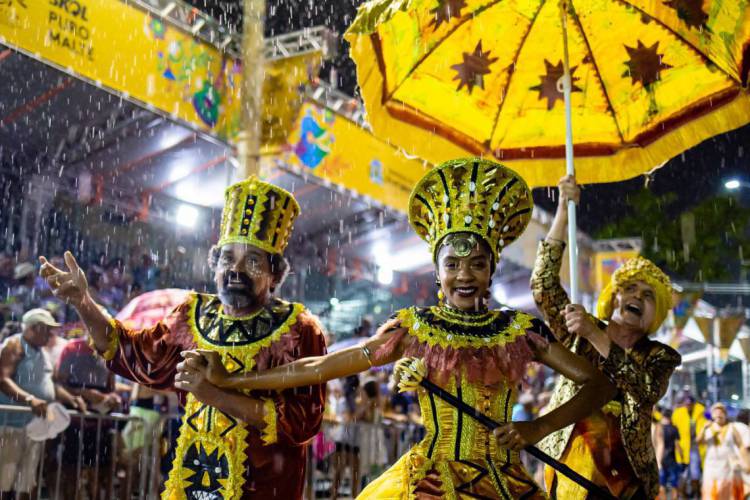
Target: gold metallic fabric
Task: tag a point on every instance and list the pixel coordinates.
(258, 213)
(471, 195)
(641, 374)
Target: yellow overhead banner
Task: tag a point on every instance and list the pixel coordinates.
(128, 50)
(332, 147)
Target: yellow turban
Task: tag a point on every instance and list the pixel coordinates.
(638, 269)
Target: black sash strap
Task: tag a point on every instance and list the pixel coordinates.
(597, 491)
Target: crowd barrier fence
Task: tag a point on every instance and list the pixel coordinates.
(132, 473)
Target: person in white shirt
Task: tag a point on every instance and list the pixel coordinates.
(722, 478)
(744, 431)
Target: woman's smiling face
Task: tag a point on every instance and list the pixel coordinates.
(464, 278)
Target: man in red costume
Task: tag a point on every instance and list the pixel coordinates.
(232, 444)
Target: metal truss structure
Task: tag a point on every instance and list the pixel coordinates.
(350, 107)
(714, 288)
(208, 29)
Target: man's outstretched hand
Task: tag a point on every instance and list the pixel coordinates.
(71, 285)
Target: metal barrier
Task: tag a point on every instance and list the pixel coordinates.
(107, 446)
(395, 437)
(140, 475)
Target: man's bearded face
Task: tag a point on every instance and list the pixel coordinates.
(243, 276)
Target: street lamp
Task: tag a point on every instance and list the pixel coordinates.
(733, 184)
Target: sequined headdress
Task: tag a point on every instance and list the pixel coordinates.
(471, 195)
(638, 269)
(259, 214)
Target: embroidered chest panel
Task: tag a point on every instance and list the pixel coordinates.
(449, 328)
(217, 329)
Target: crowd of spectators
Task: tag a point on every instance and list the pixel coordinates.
(112, 282)
(702, 452)
(45, 359)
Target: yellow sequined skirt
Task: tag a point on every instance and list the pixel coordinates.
(416, 477)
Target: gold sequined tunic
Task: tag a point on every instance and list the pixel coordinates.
(641, 375)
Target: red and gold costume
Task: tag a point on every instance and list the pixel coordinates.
(613, 446)
(218, 456)
(479, 358)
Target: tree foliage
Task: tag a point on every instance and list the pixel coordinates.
(721, 227)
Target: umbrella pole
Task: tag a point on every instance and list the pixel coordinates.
(569, 167)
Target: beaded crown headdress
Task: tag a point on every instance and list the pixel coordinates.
(259, 214)
(471, 195)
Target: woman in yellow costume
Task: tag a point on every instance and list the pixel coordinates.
(468, 210)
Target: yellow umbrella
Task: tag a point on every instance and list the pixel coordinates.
(638, 81)
(650, 79)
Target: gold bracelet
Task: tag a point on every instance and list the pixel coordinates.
(367, 353)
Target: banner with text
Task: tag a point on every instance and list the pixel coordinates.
(137, 55)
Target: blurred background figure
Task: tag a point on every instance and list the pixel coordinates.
(369, 417)
(689, 419)
(26, 379)
(742, 421)
(141, 433)
(85, 374)
(667, 450)
(351, 384)
(722, 467)
(9, 329)
(23, 294)
(523, 410)
(346, 438)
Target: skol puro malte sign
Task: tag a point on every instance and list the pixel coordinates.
(127, 50)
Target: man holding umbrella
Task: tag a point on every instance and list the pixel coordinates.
(231, 444)
(612, 447)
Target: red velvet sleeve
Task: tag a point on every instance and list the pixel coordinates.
(150, 356)
(299, 411)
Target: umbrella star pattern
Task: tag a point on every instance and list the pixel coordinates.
(446, 11)
(645, 64)
(549, 89)
(690, 12)
(636, 103)
(471, 72)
